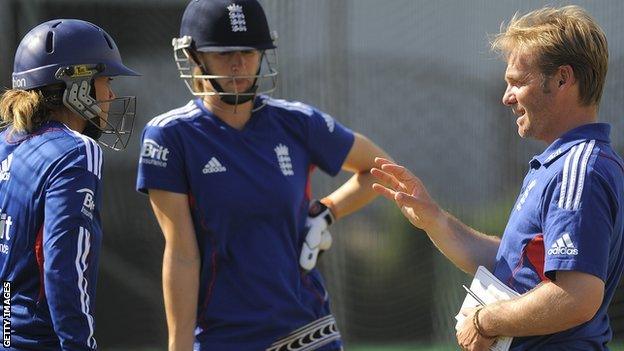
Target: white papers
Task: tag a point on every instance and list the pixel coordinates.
(489, 289)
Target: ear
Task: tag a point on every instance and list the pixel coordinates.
(565, 77)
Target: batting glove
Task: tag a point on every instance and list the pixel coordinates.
(317, 237)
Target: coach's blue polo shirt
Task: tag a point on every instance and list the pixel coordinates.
(568, 217)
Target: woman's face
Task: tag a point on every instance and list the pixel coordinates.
(104, 92)
(242, 64)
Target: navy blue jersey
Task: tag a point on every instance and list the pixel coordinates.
(249, 195)
(50, 236)
(569, 217)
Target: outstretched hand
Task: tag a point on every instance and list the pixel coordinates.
(407, 191)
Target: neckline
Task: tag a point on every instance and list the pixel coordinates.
(249, 125)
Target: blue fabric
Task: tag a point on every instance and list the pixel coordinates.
(249, 201)
(568, 217)
(50, 189)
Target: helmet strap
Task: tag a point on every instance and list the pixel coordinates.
(91, 130)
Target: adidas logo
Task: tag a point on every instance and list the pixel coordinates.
(213, 166)
(563, 246)
(5, 167)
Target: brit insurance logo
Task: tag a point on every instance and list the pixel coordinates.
(283, 159)
(154, 154)
(563, 246)
(6, 222)
(88, 204)
(237, 18)
(5, 168)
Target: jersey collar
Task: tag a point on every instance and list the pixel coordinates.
(595, 131)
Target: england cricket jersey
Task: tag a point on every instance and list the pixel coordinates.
(569, 217)
(249, 193)
(50, 237)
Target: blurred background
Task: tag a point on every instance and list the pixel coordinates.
(415, 76)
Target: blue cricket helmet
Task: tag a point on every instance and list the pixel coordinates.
(223, 26)
(64, 42)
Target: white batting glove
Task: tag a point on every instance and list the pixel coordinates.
(317, 237)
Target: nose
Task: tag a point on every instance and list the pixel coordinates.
(237, 60)
(509, 97)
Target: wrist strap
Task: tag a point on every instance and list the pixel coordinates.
(475, 323)
(330, 205)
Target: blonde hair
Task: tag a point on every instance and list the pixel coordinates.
(23, 110)
(560, 36)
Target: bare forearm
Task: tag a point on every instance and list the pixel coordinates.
(357, 191)
(465, 247)
(180, 287)
(354, 194)
(545, 310)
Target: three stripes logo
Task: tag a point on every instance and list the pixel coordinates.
(5, 167)
(563, 246)
(213, 166)
(573, 180)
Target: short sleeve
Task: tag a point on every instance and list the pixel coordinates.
(329, 142)
(578, 225)
(161, 163)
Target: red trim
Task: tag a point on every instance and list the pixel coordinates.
(39, 257)
(213, 261)
(534, 252)
(308, 185)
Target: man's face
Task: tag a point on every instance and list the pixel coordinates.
(530, 96)
(236, 64)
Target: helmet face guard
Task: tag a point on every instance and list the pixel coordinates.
(193, 72)
(109, 121)
(225, 26)
(75, 52)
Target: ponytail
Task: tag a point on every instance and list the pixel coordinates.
(23, 110)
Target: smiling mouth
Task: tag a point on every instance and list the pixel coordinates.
(518, 112)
